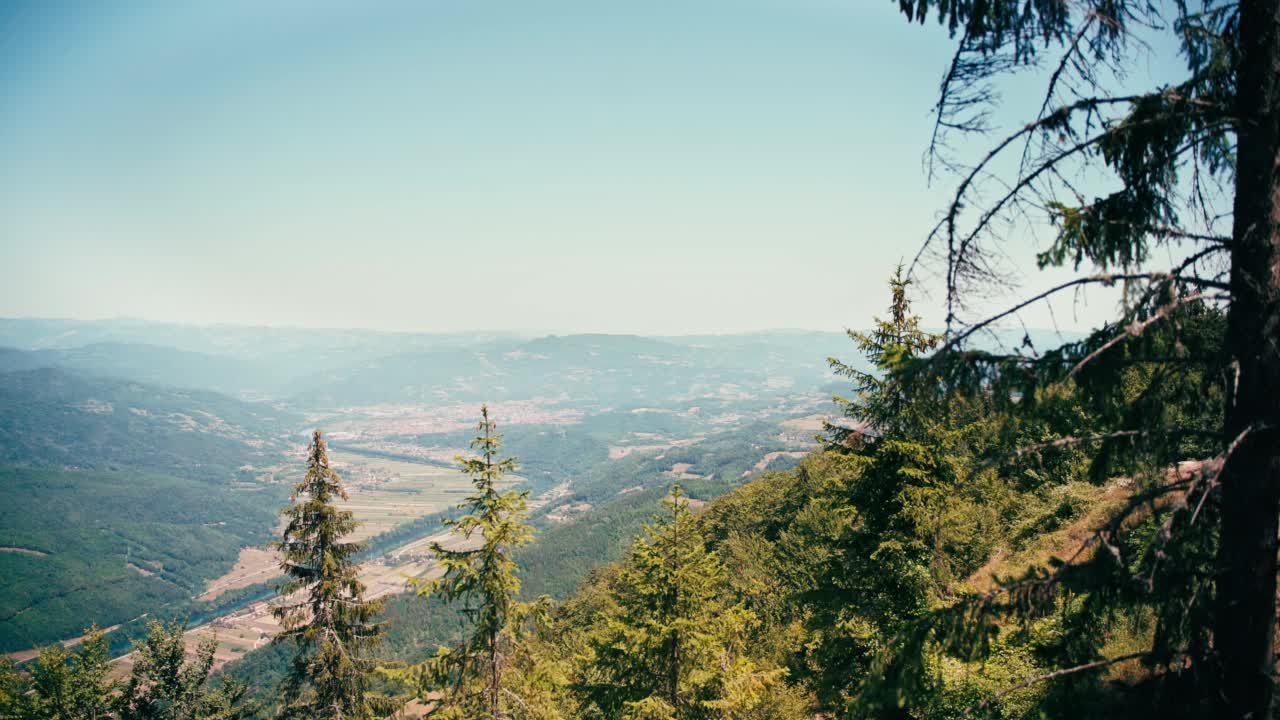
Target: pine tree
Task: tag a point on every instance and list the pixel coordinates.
(660, 642)
(325, 614)
(885, 524)
(471, 676)
(163, 685)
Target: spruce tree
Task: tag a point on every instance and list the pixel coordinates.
(882, 405)
(484, 577)
(882, 526)
(660, 642)
(325, 614)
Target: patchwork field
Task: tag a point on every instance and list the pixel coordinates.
(253, 626)
(648, 443)
(383, 493)
(254, 565)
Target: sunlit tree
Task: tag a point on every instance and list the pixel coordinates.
(325, 615)
(482, 574)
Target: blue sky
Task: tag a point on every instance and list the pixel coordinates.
(572, 165)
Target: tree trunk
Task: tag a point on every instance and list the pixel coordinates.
(493, 676)
(1246, 584)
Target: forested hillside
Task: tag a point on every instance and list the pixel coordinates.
(124, 499)
(113, 546)
(55, 418)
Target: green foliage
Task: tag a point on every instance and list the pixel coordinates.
(473, 675)
(325, 614)
(669, 642)
(72, 684)
(13, 700)
(928, 503)
(883, 406)
(64, 684)
(164, 685)
(653, 651)
(110, 547)
(902, 515)
(1142, 572)
(77, 684)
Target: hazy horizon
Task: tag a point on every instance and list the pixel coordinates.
(523, 333)
(531, 332)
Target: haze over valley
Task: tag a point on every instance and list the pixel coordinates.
(151, 458)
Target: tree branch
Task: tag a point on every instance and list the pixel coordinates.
(1135, 329)
(1096, 664)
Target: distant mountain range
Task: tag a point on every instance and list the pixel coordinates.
(323, 368)
(319, 368)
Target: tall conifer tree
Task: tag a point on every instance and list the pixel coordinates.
(882, 404)
(879, 527)
(326, 614)
(484, 577)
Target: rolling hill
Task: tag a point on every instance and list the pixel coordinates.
(54, 418)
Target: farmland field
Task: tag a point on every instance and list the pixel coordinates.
(383, 493)
(253, 626)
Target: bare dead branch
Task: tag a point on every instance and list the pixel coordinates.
(1107, 279)
(1054, 79)
(1135, 329)
(962, 189)
(1096, 664)
(1071, 441)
